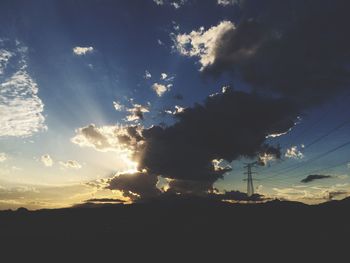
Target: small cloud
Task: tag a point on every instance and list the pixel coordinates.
(175, 5)
(3, 157)
(71, 164)
(176, 26)
(177, 110)
(313, 177)
(163, 76)
(159, 2)
(147, 75)
(46, 160)
(118, 106)
(79, 51)
(160, 43)
(160, 89)
(294, 153)
(136, 112)
(227, 2)
(201, 43)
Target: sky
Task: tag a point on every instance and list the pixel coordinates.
(129, 100)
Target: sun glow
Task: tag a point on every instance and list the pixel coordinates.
(130, 164)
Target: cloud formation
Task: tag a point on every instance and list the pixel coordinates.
(80, 51)
(136, 113)
(313, 177)
(20, 106)
(160, 89)
(71, 164)
(135, 185)
(46, 160)
(5, 56)
(147, 75)
(227, 126)
(227, 2)
(201, 43)
(294, 153)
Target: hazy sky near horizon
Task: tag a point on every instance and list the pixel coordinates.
(75, 74)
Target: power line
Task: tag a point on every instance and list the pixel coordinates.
(327, 133)
(341, 125)
(297, 166)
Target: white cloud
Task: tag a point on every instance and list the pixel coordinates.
(46, 160)
(71, 164)
(159, 2)
(178, 109)
(136, 112)
(20, 107)
(118, 106)
(176, 4)
(79, 51)
(3, 157)
(163, 76)
(294, 153)
(5, 56)
(202, 43)
(104, 138)
(160, 89)
(227, 2)
(147, 75)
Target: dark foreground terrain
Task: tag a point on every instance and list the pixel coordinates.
(183, 229)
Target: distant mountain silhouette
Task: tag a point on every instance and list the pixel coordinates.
(186, 226)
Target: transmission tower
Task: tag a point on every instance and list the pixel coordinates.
(250, 187)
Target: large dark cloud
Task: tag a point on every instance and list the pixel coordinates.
(313, 177)
(295, 48)
(227, 126)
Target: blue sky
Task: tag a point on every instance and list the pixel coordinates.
(120, 41)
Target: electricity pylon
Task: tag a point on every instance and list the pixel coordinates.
(250, 187)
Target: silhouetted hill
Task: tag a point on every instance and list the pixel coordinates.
(194, 226)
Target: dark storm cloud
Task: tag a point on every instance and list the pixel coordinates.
(227, 126)
(298, 49)
(313, 177)
(132, 185)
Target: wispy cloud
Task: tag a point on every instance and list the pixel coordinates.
(20, 106)
(71, 164)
